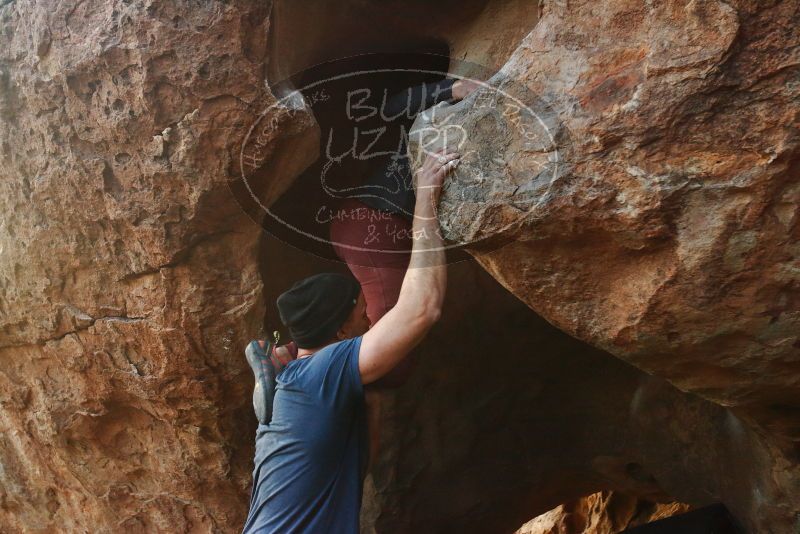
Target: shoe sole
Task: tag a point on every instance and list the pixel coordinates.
(264, 389)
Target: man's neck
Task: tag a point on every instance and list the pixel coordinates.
(305, 353)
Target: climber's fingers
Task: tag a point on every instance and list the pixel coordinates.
(444, 167)
(439, 157)
(447, 166)
(436, 167)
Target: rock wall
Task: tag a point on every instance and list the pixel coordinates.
(599, 512)
(666, 230)
(130, 276)
(650, 207)
(127, 274)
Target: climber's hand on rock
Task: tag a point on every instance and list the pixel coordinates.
(463, 88)
(431, 175)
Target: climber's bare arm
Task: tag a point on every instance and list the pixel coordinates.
(422, 293)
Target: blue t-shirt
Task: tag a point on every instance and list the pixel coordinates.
(310, 459)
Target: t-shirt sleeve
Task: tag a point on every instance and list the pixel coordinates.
(352, 364)
(335, 374)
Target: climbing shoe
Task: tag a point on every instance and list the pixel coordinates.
(266, 364)
(264, 372)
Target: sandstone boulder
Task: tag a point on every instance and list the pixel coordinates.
(131, 277)
(649, 188)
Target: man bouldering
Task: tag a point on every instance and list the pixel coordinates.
(379, 260)
(311, 456)
(378, 264)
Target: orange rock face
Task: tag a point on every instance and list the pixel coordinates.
(122, 390)
(664, 242)
(652, 207)
(600, 513)
(666, 230)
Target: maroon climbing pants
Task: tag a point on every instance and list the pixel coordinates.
(376, 245)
